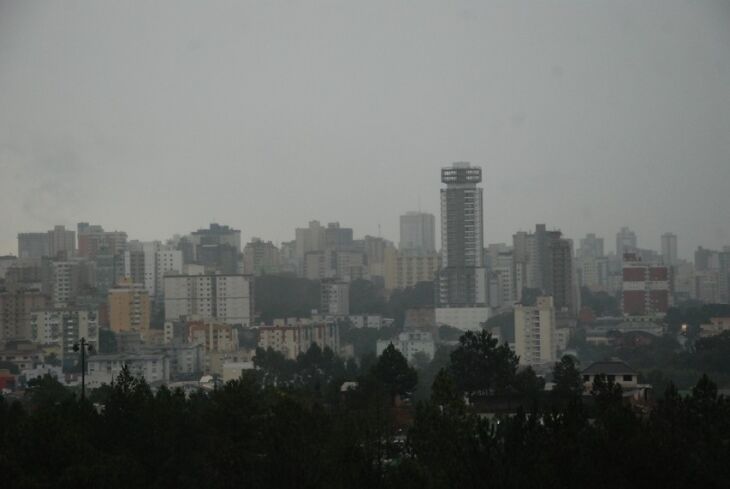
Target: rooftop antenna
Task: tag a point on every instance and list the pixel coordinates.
(419, 202)
(379, 236)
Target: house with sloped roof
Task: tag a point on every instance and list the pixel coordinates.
(620, 373)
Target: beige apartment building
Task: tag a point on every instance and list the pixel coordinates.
(129, 307)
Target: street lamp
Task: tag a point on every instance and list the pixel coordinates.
(83, 346)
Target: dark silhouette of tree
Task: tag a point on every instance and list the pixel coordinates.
(567, 378)
(393, 371)
(482, 367)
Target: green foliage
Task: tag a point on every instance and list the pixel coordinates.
(366, 298)
(506, 324)
(449, 333)
(482, 367)
(364, 340)
(567, 378)
(601, 303)
(245, 434)
(285, 295)
(393, 371)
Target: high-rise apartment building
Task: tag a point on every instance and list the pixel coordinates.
(16, 304)
(417, 233)
(217, 248)
(338, 238)
(346, 265)
(93, 240)
(669, 249)
(61, 243)
(406, 270)
(64, 328)
(625, 242)
(309, 239)
(129, 307)
(462, 279)
(535, 328)
(227, 298)
(33, 245)
(334, 298)
(543, 260)
(646, 288)
(261, 257)
(65, 282)
(591, 247)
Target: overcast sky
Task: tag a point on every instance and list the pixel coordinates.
(159, 117)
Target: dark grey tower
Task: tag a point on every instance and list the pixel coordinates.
(462, 279)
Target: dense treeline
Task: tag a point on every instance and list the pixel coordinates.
(290, 425)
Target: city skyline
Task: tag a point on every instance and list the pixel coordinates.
(266, 116)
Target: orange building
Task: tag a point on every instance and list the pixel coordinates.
(129, 307)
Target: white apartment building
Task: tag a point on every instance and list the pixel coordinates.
(535, 342)
(102, 369)
(334, 298)
(158, 260)
(64, 327)
(463, 318)
(410, 343)
(65, 282)
(226, 298)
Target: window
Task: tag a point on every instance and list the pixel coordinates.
(628, 378)
(586, 378)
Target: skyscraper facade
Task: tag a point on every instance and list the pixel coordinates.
(669, 249)
(462, 278)
(625, 242)
(417, 233)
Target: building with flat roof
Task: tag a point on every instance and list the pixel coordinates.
(294, 337)
(417, 233)
(226, 298)
(129, 307)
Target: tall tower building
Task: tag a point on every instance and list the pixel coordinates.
(462, 280)
(61, 241)
(669, 249)
(417, 233)
(625, 242)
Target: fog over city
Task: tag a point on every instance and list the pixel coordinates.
(159, 117)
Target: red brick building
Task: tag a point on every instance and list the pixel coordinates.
(646, 287)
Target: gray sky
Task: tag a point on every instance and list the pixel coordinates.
(158, 117)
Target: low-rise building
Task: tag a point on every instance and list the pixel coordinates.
(715, 327)
(102, 369)
(214, 337)
(614, 371)
(294, 337)
(463, 318)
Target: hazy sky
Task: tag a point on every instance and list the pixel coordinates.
(158, 117)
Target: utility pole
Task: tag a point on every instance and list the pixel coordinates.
(83, 346)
